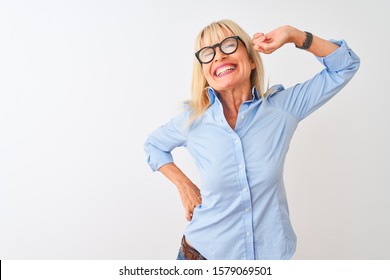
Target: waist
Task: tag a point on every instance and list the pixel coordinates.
(189, 252)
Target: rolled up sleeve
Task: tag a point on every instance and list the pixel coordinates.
(304, 98)
(160, 143)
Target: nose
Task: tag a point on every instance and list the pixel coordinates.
(219, 55)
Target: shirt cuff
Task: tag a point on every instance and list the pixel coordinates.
(159, 159)
(341, 58)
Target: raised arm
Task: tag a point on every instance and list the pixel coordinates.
(339, 61)
(271, 41)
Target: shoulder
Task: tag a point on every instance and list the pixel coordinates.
(275, 92)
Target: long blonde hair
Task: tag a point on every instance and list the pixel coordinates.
(215, 32)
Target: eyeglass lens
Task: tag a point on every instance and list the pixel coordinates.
(227, 46)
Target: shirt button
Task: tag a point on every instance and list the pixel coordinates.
(248, 233)
(244, 189)
(240, 166)
(246, 210)
(242, 116)
(236, 141)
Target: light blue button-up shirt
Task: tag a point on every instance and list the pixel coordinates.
(244, 212)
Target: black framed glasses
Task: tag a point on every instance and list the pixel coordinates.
(228, 46)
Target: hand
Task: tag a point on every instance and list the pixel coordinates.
(189, 193)
(191, 198)
(270, 42)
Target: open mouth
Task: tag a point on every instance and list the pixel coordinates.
(224, 70)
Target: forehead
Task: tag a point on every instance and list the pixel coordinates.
(214, 35)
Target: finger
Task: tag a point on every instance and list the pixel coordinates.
(257, 35)
(188, 216)
(260, 39)
(264, 48)
(260, 47)
(267, 36)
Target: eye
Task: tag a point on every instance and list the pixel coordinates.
(229, 45)
(207, 53)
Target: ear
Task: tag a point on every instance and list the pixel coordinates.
(253, 65)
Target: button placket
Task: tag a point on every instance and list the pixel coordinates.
(246, 200)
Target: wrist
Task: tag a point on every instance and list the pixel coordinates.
(307, 41)
(298, 37)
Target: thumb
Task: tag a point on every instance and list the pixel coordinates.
(188, 215)
(258, 35)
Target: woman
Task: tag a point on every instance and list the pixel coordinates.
(238, 134)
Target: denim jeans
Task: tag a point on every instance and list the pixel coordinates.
(180, 255)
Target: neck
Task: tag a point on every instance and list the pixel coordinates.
(232, 99)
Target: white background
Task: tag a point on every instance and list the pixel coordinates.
(83, 82)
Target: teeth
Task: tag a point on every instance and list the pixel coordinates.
(224, 69)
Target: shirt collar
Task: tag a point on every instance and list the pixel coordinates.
(255, 94)
(213, 94)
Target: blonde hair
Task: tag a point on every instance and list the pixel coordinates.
(215, 32)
